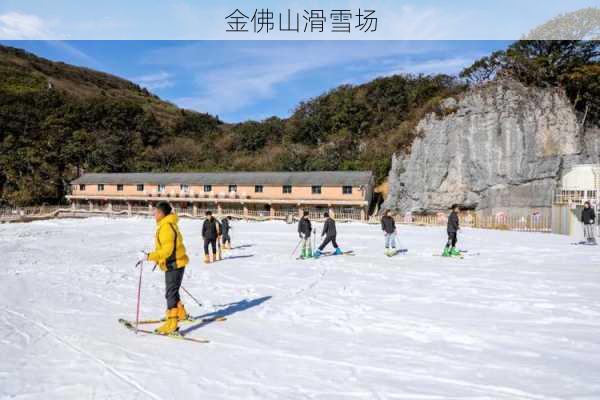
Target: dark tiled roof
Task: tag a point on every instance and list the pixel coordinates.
(323, 178)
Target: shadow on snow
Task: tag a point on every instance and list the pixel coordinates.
(226, 311)
(241, 256)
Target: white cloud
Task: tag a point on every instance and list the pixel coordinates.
(231, 90)
(434, 66)
(253, 72)
(77, 56)
(14, 25)
(419, 23)
(159, 80)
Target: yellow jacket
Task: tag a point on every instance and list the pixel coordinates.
(169, 250)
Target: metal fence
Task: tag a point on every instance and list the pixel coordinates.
(233, 211)
(259, 213)
(347, 214)
(537, 222)
(284, 212)
(503, 221)
(120, 207)
(18, 213)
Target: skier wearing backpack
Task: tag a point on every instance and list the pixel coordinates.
(588, 217)
(170, 256)
(452, 230)
(304, 231)
(210, 234)
(388, 226)
(330, 233)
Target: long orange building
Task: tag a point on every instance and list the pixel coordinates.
(345, 194)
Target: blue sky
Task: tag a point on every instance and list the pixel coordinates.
(240, 80)
(184, 54)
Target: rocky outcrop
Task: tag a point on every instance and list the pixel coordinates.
(497, 147)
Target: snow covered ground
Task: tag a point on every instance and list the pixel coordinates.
(519, 320)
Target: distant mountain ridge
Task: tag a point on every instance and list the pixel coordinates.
(24, 71)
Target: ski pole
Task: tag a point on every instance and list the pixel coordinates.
(193, 298)
(296, 248)
(139, 264)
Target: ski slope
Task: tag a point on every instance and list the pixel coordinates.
(519, 320)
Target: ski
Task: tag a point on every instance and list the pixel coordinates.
(185, 321)
(461, 257)
(344, 253)
(177, 335)
(395, 253)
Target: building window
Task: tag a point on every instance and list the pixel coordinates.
(82, 188)
(258, 188)
(100, 187)
(161, 188)
(232, 188)
(207, 188)
(184, 188)
(140, 188)
(119, 188)
(286, 189)
(347, 189)
(316, 190)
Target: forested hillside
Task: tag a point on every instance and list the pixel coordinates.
(57, 120)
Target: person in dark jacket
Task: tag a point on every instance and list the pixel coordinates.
(210, 234)
(452, 229)
(588, 217)
(304, 231)
(388, 226)
(330, 233)
(225, 232)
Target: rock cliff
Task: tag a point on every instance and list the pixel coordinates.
(500, 146)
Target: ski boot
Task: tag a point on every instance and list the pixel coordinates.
(337, 252)
(182, 315)
(317, 253)
(307, 253)
(170, 325)
(455, 252)
(447, 252)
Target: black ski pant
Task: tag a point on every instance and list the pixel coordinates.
(452, 239)
(225, 238)
(173, 279)
(212, 243)
(328, 239)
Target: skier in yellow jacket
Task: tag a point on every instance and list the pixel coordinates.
(170, 256)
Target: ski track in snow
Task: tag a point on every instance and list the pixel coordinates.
(517, 318)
